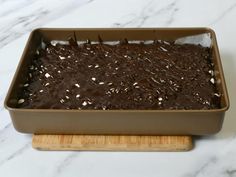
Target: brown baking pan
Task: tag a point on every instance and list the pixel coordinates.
(130, 122)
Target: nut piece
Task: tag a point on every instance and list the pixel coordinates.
(47, 75)
(20, 101)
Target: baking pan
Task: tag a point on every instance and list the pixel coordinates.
(129, 122)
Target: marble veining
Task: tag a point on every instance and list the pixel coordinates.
(148, 12)
(212, 156)
(30, 14)
(14, 154)
(224, 13)
(65, 163)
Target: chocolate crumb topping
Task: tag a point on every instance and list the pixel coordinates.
(161, 75)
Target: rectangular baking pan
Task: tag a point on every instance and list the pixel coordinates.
(130, 122)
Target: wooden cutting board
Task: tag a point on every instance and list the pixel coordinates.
(112, 143)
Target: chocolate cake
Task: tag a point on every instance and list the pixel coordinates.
(158, 75)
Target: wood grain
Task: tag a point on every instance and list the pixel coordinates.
(112, 143)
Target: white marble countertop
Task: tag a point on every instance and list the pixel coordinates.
(212, 156)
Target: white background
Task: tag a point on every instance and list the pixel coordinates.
(212, 156)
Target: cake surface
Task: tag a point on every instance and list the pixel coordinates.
(161, 75)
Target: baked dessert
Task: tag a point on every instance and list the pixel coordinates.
(159, 75)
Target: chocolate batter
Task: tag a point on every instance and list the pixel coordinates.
(161, 75)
